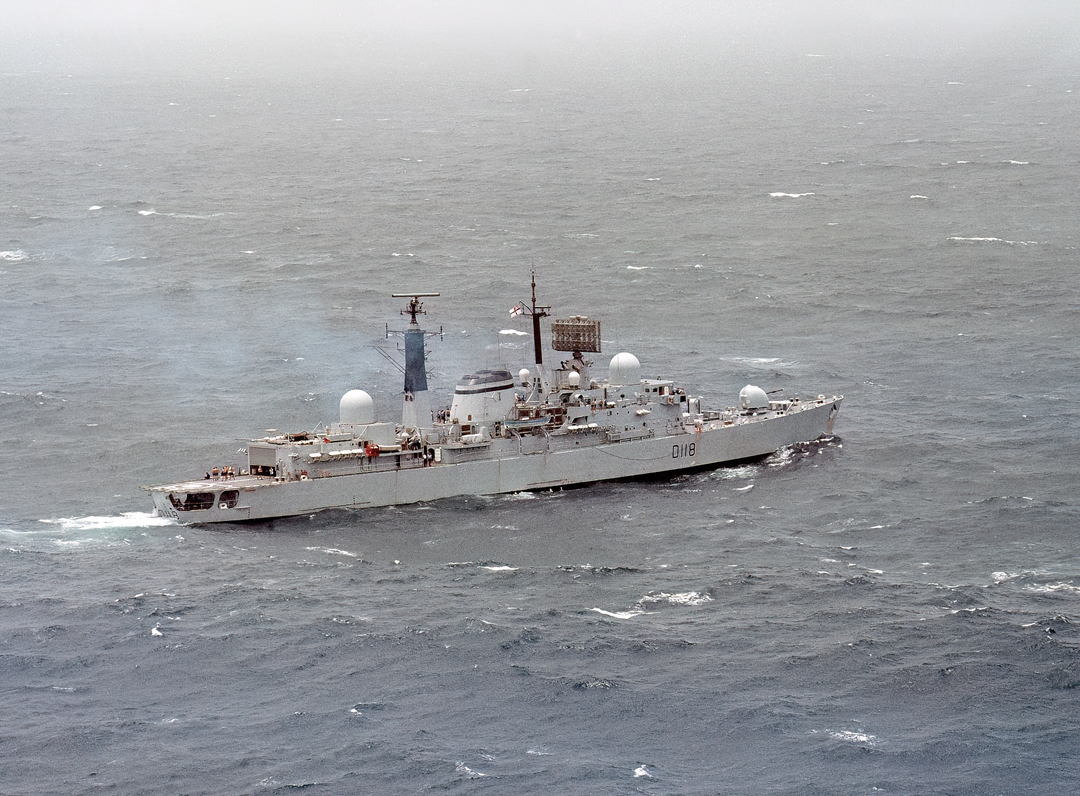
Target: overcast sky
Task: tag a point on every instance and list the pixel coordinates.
(50, 34)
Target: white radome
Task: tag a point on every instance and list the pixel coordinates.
(357, 408)
(624, 369)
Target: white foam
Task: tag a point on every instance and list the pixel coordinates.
(744, 488)
(332, 551)
(514, 332)
(917, 196)
(779, 195)
(501, 568)
(642, 771)
(854, 737)
(1049, 588)
(129, 519)
(754, 360)
(689, 598)
(14, 257)
(997, 240)
(147, 212)
(682, 598)
(638, 267)
(620, 614)
(95, 207)
(468, 772)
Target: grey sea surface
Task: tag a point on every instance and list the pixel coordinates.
(198, 244)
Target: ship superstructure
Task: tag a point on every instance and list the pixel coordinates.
(502, 432)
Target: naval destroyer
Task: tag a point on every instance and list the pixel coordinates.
(556, 427)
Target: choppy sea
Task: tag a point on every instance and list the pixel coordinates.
(199, 235)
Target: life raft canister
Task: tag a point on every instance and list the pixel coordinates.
(371, 450)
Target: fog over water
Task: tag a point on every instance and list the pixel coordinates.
(205, 210)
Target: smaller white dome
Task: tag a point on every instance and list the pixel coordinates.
(624, 369)
(752, 397)
(357, 408)
(573, 378)
(524, 377)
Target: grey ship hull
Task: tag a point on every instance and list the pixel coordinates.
(499, 465)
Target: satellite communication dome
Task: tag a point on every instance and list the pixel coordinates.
(573, 378)
(357, 408)
(524, 376)
(624, 369)
(752, 397)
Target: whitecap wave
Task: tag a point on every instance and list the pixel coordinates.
(782, 195)
(16, 256)
(465, 771)
(996, 240)
(129, 519)
(753, 360)
(681, 598)
(1050, 588)
(619, 614)
(332, 551)
(862, 738)
(687, 598)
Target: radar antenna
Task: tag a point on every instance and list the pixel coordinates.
(415, 307)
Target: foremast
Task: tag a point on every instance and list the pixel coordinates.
(416, 403)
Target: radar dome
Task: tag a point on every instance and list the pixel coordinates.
(524, 376)
(357, 408)
(573, 378)
(624, 369)
(752, 397)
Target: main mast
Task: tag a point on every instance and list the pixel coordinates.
(537, 312)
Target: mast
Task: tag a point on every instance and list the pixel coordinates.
(537, 314)
(416, 407)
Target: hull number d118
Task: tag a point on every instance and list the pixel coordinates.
(679, 451)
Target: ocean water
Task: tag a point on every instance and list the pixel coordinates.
(199, 234)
